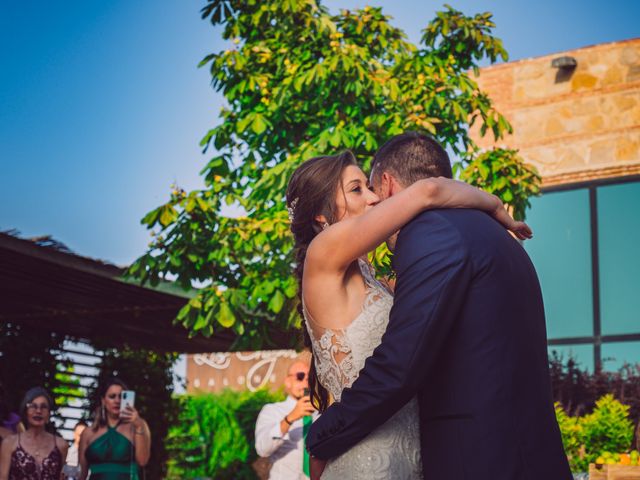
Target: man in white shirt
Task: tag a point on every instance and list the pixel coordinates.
(279, 428)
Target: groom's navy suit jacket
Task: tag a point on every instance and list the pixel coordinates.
(467, 336)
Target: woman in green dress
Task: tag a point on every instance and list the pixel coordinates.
(118, 442)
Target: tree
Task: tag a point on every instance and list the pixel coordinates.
(29, 358)
(300, 82)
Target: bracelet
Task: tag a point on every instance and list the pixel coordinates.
(139, 432)
(287, 420)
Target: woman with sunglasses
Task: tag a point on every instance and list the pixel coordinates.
(118, 442)
(34, 454)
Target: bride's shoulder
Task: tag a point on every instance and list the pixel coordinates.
(316, 254)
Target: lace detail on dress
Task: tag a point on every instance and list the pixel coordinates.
(340, 353)
(393, 449)
(24, 466)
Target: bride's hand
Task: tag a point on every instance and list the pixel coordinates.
(520, 229)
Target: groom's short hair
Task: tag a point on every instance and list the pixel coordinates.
(410, 157)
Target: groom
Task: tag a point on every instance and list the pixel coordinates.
(466, 335)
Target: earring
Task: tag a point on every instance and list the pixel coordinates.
(104, 413)
(325, 225)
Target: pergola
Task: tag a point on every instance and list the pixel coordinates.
(48, 287)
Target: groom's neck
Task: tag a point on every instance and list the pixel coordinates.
(391, 241)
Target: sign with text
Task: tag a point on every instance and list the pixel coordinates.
(213, 372)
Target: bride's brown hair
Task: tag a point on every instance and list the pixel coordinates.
(311, 192)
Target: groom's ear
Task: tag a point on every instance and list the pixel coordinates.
(394, 186)
(387, 185)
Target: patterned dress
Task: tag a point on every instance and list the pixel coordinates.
(25, 467)
(392, 451)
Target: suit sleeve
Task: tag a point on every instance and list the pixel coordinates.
(434, 273)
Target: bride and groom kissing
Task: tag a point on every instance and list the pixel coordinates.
(446, 377)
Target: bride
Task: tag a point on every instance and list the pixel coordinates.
(336, 220)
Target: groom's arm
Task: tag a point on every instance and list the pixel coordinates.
(434, 274)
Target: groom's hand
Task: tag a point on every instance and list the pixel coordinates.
(316, 467)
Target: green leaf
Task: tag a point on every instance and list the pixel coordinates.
(191, 204)
(334, 138)
(291, 288)
(183, 312)
(150, 218)
(244, 122)
(201, 322)
(258, 125)
(277, 302)
(226, 318)
(168, 214)
(202, 203)
(484, 170)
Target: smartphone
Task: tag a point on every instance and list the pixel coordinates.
(127, 398)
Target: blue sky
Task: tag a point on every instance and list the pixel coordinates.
(102, 106)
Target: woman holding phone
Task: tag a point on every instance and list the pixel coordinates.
(118, 441)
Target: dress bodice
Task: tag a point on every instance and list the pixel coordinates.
(393, 449)
(340, 353)
(25, 467)
(111, 457)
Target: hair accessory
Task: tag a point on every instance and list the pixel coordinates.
(292, 209)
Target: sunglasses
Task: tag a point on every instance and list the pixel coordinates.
(38, 406)
(300, 376)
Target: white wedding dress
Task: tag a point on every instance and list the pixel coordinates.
(392, 451)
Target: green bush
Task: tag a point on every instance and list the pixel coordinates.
(571, 431)
(214, 435)
(607, 429)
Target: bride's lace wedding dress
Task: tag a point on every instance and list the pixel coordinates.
(392, 451)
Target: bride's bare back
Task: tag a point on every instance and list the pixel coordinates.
(393, 450)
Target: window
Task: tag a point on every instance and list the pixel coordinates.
(582, 354)
(619, 247)
(586, 249)
(616, 354)
(561, 251)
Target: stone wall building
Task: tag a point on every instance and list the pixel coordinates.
(574, 124)
(580, 126)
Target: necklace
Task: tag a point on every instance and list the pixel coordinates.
(37, 446)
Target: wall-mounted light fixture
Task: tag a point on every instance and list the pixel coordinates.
(566, 66)
(568, 63)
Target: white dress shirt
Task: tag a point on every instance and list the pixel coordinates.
(284, 451)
